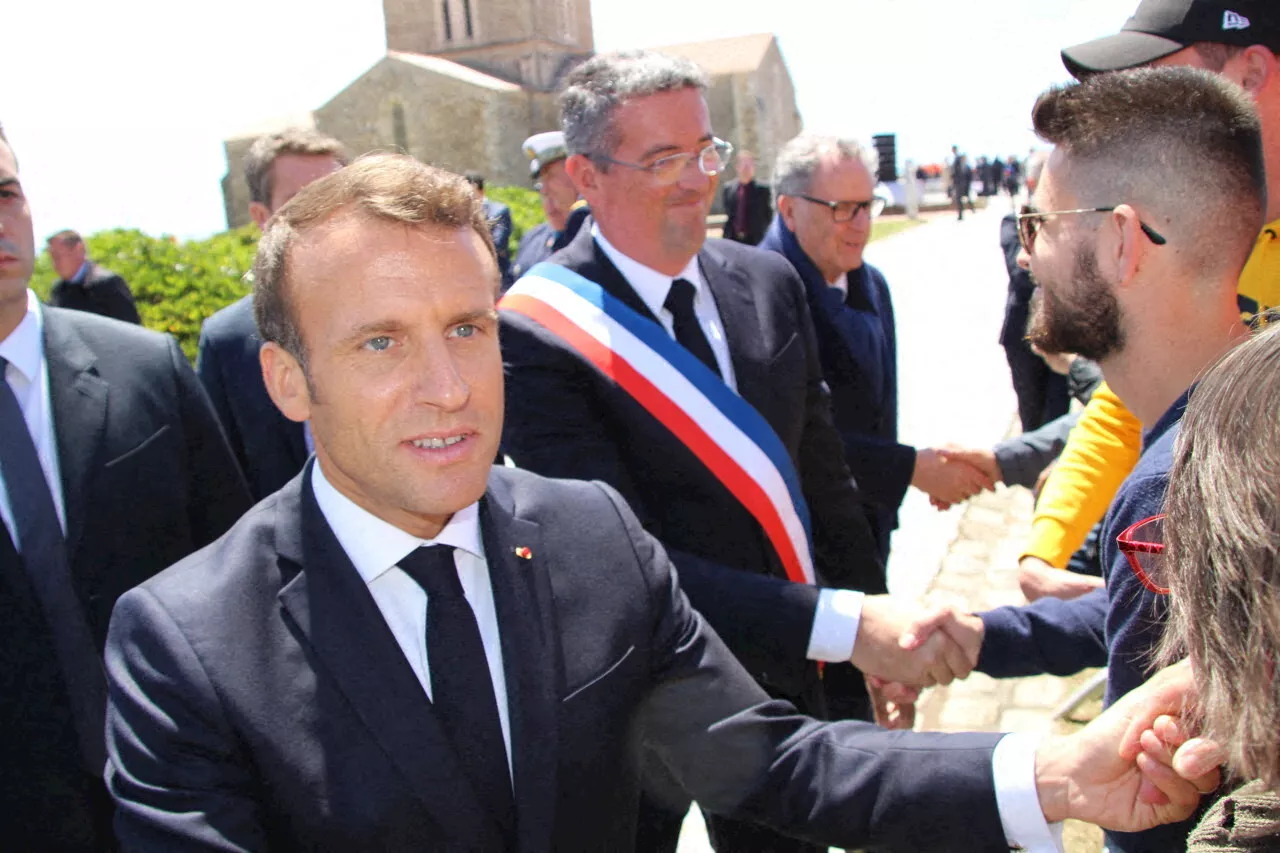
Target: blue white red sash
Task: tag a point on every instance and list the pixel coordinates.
(725, 432)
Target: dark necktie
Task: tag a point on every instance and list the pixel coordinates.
(688, 330)
(740, 212)
(43, 551)
(461, 689)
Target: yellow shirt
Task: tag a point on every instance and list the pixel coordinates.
(1106, 443)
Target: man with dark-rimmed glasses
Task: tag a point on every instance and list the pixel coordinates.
(1118, 240)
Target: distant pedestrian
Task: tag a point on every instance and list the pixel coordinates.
(85, 286)
(961, 184)
(499, 216)
(747, 204)
(564, 209)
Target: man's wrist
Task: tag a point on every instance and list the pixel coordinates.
(1053, 777)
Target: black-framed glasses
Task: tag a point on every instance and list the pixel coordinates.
(1142, 544)
(1029, 221)
(711, 160)
(847, 211)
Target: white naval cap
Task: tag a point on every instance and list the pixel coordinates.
(543, 149)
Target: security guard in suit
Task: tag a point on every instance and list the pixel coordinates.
(565, 212)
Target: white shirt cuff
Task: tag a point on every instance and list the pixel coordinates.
(1014, 767)
(835, 625)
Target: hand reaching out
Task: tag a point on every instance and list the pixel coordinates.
(948, 480)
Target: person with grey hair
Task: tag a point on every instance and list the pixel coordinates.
(734, 319)
(825, 203)
(270, 448)
(85, 286)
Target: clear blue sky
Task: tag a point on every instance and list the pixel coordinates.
(117, 109)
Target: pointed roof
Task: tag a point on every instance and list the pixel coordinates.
(456, 70)
(732, 55)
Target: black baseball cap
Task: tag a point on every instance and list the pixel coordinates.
(1162, 27)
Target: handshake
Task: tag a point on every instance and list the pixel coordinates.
(951, 475)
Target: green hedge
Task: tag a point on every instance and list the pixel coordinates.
(176, 284)
(179, 284)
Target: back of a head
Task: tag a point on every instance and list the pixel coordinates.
(595, 89)
(393, 188)
(295, 140)
(1182, 145)
(1222, 558)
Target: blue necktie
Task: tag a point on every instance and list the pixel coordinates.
(461, 689)
(43, 551)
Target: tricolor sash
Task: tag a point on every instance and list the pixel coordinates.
(725, 432)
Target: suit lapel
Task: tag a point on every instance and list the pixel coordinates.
(332, 608)
(585, 257)
(736, 304)
(78, 397)
(531, 660)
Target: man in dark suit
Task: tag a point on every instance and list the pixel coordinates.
(270, 448)
(407, 649)
(85, 286)
(822, 227)
(112, 467)
(748, 206)
(645, 159)
(499, 225)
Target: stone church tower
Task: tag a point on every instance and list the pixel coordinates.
(463, 83)
(529, 42)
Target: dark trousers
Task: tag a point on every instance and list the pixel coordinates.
(1042, 394)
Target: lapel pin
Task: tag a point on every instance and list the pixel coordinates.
(524, 553)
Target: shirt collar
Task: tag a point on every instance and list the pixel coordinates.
(651, 285)
(81, 274)
(24, 348)
(374, 545)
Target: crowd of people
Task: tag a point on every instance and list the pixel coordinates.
(442, 549)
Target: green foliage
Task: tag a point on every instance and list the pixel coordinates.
(177, 285)
(526, 210)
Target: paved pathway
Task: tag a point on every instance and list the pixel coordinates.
(949, 283)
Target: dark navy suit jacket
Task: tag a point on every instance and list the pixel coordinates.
(271, 448)
(259, 702)
(857, 343)
(146, 479)
(1117, 627)
(566, 418)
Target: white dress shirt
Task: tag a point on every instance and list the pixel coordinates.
(375, 548)
(28, 376)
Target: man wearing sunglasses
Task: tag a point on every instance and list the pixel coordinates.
(825, 209)
(1115, 238)
(643, 155)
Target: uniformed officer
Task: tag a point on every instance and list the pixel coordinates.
(565, 212)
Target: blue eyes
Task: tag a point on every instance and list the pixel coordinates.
(378, 344)
(382, 343)
(465, 331)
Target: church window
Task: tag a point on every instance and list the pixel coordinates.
(448, 24)
(466, 12)
(399, 131)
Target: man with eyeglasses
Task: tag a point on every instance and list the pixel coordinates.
(684, 373)
(825, 209)
(1115, 239)
(564, 210)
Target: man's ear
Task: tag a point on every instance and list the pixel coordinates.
(787, 210)
(1122, 245)
(259, 214)
(286, 382)
(584, 173)
(1256, 67)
